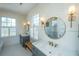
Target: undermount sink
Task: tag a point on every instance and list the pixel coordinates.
(44, 47)
(50, 50)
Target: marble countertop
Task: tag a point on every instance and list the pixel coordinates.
(44, 47)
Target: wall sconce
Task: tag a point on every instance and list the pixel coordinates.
(28, 24)
(24, 24)
(71, 14)
(42, 19)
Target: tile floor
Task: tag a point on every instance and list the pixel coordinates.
(15, 50)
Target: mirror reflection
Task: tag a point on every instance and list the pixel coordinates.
(55, 27)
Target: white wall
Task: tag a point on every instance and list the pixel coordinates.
(70, 40)
(19, 27)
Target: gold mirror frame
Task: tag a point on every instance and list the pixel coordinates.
(54, 19)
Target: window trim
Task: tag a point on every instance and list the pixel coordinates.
(8, 27)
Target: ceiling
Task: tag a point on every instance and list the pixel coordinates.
(21, 8)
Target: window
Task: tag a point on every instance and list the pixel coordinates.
(8, 27)
(35, 27)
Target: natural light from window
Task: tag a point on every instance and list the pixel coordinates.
(8, 27)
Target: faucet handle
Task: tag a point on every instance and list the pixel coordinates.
(56, 45)
(50, 43)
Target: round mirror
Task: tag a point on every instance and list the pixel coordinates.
(55, 28)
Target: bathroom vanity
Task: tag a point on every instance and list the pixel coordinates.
(42, 48)
(37, 52)
(24, 38)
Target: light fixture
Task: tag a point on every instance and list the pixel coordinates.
(28, 24)
(71, 14)
(42, 19)
(24, 24)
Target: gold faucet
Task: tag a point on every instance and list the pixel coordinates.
(50, 43)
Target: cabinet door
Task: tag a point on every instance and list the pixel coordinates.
(34, 51)
(40, 53)
(37, 52)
